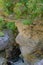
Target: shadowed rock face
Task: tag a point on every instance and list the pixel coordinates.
(6, 39)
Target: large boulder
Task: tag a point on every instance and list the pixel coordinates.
(30, 38)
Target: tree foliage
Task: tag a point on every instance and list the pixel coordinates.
(8, 6)
(8, 25)
(11, 25)
(1, 23)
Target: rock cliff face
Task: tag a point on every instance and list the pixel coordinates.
(30, 39)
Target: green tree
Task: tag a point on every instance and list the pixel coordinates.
(8, 4)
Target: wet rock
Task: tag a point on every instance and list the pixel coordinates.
(3, 61)
(40, 62)
(18, 62)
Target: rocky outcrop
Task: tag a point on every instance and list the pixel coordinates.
(30, 38)
(7, 39)
(6, 42)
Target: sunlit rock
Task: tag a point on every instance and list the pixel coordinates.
(30, 38)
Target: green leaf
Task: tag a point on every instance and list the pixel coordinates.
(1, 34)
(11, 25)
(27, 22)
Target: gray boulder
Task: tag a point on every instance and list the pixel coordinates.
(7, 39)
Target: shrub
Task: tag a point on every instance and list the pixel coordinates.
(8, 6)
(27, 22)
(31, 9)
(11, 25)
(7, 25)
(1, 23)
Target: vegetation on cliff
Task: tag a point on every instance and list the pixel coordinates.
(28, 10)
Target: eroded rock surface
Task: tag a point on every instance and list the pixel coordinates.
(30, 38)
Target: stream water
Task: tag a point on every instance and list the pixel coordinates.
(17, 61)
